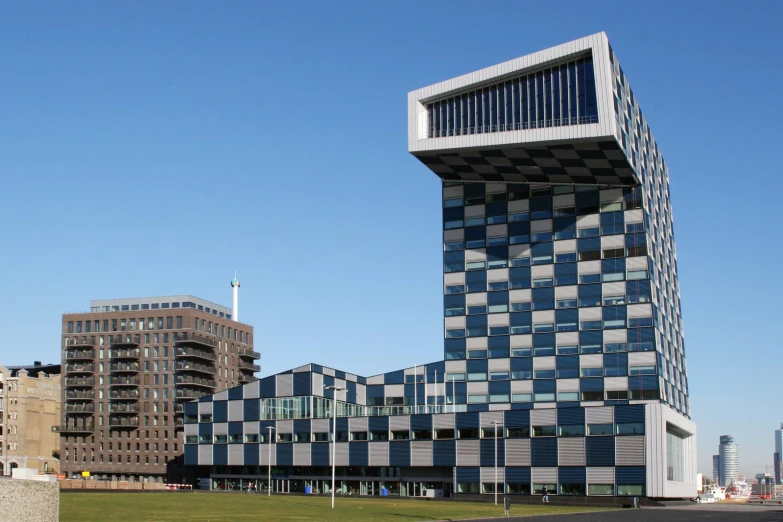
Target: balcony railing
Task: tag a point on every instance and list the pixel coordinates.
(125, 353)
(194, 367)
(83, 343)
(128, 341)
(124, 395)
(186, 339)
(124, 422)
(244, 379)
(179, 408)
(77, 427)
(79, 355)
(186, 352)
(79, 382)
(80, 408)
(195, 381)
(188, 394)
(124, 381)
(247, 352)
(118, 367)
(80, 368)
(249, 366)
(124, 409)
(80, 395)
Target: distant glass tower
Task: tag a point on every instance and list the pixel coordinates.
(778, 457)
(729, 460)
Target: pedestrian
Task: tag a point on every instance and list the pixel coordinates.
(545, 497)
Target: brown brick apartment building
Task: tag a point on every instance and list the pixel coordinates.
(128, 365)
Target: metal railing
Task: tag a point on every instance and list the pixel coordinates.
(189, 380)
(72, 355)
(125, 367)
(80, 396)
(125, 353)
(183, 393)
(124, 395)
(190, 366)
(80, 368)
(124, 408)
(247, 352)
(190, 338)
(80, 408)
(249, 366)
(123, 422)
(124, 381)
(187, 351)
(79, 381)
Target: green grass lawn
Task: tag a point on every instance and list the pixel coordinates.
(214, 507)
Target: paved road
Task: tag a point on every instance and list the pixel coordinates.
(713, 513)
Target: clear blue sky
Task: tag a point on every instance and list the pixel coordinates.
(152, 148)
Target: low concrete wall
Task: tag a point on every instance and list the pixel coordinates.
(109, 485)
(29, 501)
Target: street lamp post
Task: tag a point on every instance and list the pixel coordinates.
(335, 389)
(269, 461)
(496, 424)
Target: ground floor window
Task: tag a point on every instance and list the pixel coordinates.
(572, 489)
(518, 488)
(489, 487)
(600, 489)
(468, 487)
(538, 489)
(635, 490)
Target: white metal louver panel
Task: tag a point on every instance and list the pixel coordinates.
(475, 211)
(615, 383)
(590, 314)
(456, 366)
(543, 475)
(357, 424)
(421, 453)
(320, 425)
(522, 386)
(285, 385)
(302, 454)
(498, 319)
(399, 422)
(615, 336)
(600, 475)
(521, 341)
(567, 338)
(544, 363)
(564, 246)
(443, 421)
(379, 453)
(454, 278)
(487, 474)
(497, 230)
(629, 451)
(478, 254)
(341, 454)
(476, 298)
(285, 426)
(591, 361)
(599, 415)
(499, 365)
(566, 292)
(467, 452)
(567, 385)
(546, 417)
(487, 418)
(639, 310)
(517, 452)
(519, 296)
(571, 451)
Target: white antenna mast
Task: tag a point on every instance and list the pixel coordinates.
(235, 286)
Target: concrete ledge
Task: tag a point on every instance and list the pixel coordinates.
(29, 501)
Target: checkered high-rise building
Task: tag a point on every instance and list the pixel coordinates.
(563, 333)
